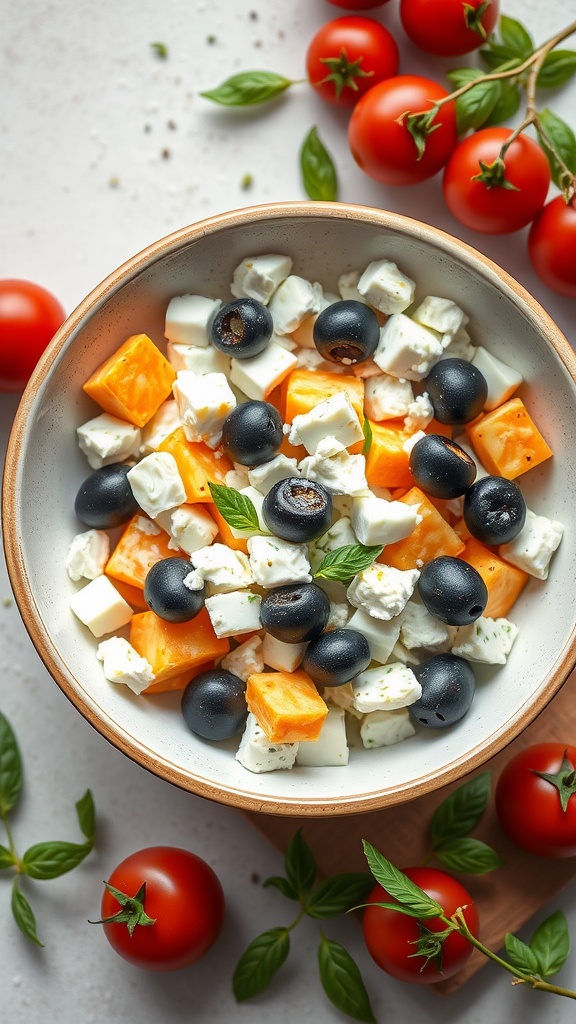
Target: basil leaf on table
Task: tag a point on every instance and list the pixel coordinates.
(10, 767)
(248, 88)
(318, 171)
(342, 981)
(260, 962)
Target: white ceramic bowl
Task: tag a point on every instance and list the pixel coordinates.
(44, 469)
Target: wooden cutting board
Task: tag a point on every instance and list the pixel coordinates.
(506, 898)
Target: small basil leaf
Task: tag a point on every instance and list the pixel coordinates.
(367, 431)
(52, 859)
(496, 55)
(520, 955)
(557, 68)
(399, 885)
(87, 815)
(301, 870)
(560, 135)
(506, 106)
(345, 562)
(515, 37)
(259, 963)
(277, 882)
(237, 509)
(460, 812)
(318, 172)
(461, 76)
(7, 858)
(10, 767)
(248, 88)
(551, 944)
(22, 913)
(338, 894)
(342, 981)
(474, 107)
(468, 855)
(160, 49)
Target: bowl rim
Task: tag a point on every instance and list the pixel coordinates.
(299, 805)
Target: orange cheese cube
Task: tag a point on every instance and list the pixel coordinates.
(173, 648)
(179, 682)
(432, 537)
(504, 582)
(286, 705)
(133, 595)
(387, 462)
(137, 551)
(133, 382)
(507, 441)
(197, 464)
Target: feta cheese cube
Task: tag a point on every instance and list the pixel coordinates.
(386, 288)
(122, 664)
(385, 688)
(294, 300)
(188, 319)
(501, 379)
(384, 728)
(339, 615)
(304, 334)
(337, 470)
(234, 612)
(366, 369)
(420, 413)
(204, 401)
(377, 521)
(348, 286)
(382, 590)
(381, 635)
(107, 439)
(156, 483)
(197, 358)
(441, 315)
(406, 349)
(259, 375)
(534, 546)
(335, 418)
(342, 697)
(280, 655)
(387, 397)
(406, 656)
(88, 554)
(269, 473)
(485, 640)
(100, 607)
(275, 562)
(225, 569)
(331, 747)
(258, 277)
(421, 629)
(237, 477)
(339, 535)
(258, 754)
(190, 527)
(460, 347)
(245, 659)
(164, 422)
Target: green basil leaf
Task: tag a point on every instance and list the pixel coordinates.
(160, 49)
(557, 68)
(515, 37)
(22, 913)
(301, 870)
(342, 981)
(506, 106)
(87, 816)
(237, 509)
(10, 767)
(367, 431)
(248, 88)
(345, 562)
(277, 882)
(460, 812)
(399, 885)
(461, 76)
(551, 944)
(52, 859)
(499, 57)
(561, 136)
(338, 894)
(468, 855)
(474, 107)
(520, 955)
(318, 172)
(259, 963)
(7, 858)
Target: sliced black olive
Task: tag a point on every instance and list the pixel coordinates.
(346, 332)
(297, 509)
(295, 613)
(441, 467)
(242, 328)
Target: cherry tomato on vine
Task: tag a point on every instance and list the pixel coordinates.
(176, 918)
(536, 799)
(511, 191)
(552, 245)
(358, 5)
(449, 27)
(390, 936)
(380, 139)
(29, 318)
(348, 56)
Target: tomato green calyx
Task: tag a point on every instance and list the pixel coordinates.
(430, 945)
(494, 175)
(132, 912)
(473, 17)
(420, 127)
(343, 72)
(564, 780)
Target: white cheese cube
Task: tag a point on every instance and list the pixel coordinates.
(225, 569)
(386, 288)
(164, 422)
(107, 439)
(258, 754)
(485, 640)
(463, 442)
(534, 546)
(502, 380)
(309, 359)
(304, 334)
(442, 315)
(420, 413)
(190, 527)
(381, 636)
(335, 417)
(258, 277)
(406, 349)
(280, 655)
(285, 341)
(293, 301)
(204, 401)
(382, 590)
(100, 607)
(366, 369)
(387, 397)
(156, 483)
(234, 612)
(197, 358)
(188, 319)
(339, 615)
(339, 535)
(123, 664)
(237, 477)
(337, 470)
(245, 659)
(331, 747)
(88, 554)
(275, 562)
(460, 347)
(385, 728)
(412, 440)
(269, 473)
(421, 629)
(342, 697)
(385, 688)
(377, 521)
(403, 654)
(348, 286)
(259, 375)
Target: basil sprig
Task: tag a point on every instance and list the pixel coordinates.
(451, 822)
(318, 171)
(345, 562)
(248, 88)
(237, 509)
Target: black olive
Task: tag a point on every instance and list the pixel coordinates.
(297, 509)
(252, 433)
(295, 613)
(166, 594)
(457, 390)
(448, 684)
(441, 467)
(105, 499)
(494, 510)
(334, 658)
(452, 590)
(242, 328)
(346, 332)
(214, 705)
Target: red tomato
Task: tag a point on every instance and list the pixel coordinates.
(348, 56)
(390, 936)
(552, 245)
(529, 808)
(495, 209)
(29, 317)
(358, 5)
(448, 27)
(382, 145)
(182, 896)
